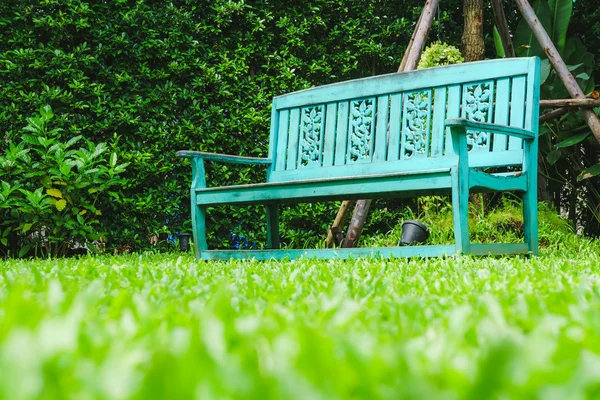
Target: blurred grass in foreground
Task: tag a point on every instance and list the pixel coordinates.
(166, 326)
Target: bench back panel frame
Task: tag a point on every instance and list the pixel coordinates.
(395, 122)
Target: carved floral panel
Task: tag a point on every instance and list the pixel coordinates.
(360, 130)
(311, 131)
(477, 107)
(416, 125)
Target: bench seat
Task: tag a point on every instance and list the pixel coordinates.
(402, 184)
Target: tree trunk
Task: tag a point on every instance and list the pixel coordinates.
(472, 38)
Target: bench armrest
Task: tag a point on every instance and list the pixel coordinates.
(225, 158)
(486, 127)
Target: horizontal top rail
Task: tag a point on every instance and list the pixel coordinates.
(406, 81)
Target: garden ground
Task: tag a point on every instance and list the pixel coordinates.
(164, 325)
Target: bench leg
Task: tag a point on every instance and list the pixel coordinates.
(530, 219)
(272, 226)
(199, 228)
(460, 210)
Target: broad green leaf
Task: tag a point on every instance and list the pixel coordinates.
(54, 193)
(24, 250)
(553, 156)
(80, 219)
(589, 172)
(26, 227)
(73, 140)
(546, 68)
(498, 44)
(574, 67)
(561, 11)
(526, 45)
(113, 159)
(61, 204)
(583, 75)
(46, 112)
(574, 50)
(46, 181)
(573, 140)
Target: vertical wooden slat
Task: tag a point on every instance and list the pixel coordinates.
(428, 124)
(489, 114)
(404, 123)
(293, 134)
(501, 115)
(381, 128)
(341, 136)
(395, 124)
(328, 144)
(273, 138)
(282, 142)
(517, 110)
(372, 134)
(453, 111)
(299, 146)
(439, 116)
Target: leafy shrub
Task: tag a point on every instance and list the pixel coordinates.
(50, 190)
(438, 54)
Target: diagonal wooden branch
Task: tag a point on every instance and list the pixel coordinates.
(420, 35)
(410, 44)
(559, 65)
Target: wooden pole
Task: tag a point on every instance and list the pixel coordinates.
(559, 65)
(357, 223)
(334, 233)
(502, 25)
(421, 32)
(559, 112)
(409, 63)
(410, 43)
(570, 103)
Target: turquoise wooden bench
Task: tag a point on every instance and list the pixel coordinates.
(431, 131)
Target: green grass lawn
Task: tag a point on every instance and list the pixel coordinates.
(144, 326)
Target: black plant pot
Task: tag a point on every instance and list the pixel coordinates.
(184, 241)
(413, 232)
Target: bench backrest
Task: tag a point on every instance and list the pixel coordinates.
(395, 122)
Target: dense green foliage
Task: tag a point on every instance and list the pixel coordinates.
(166, 76)
(49, 190)
(150, 78)
(154, 325)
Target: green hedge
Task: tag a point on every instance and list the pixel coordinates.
(151, 77)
